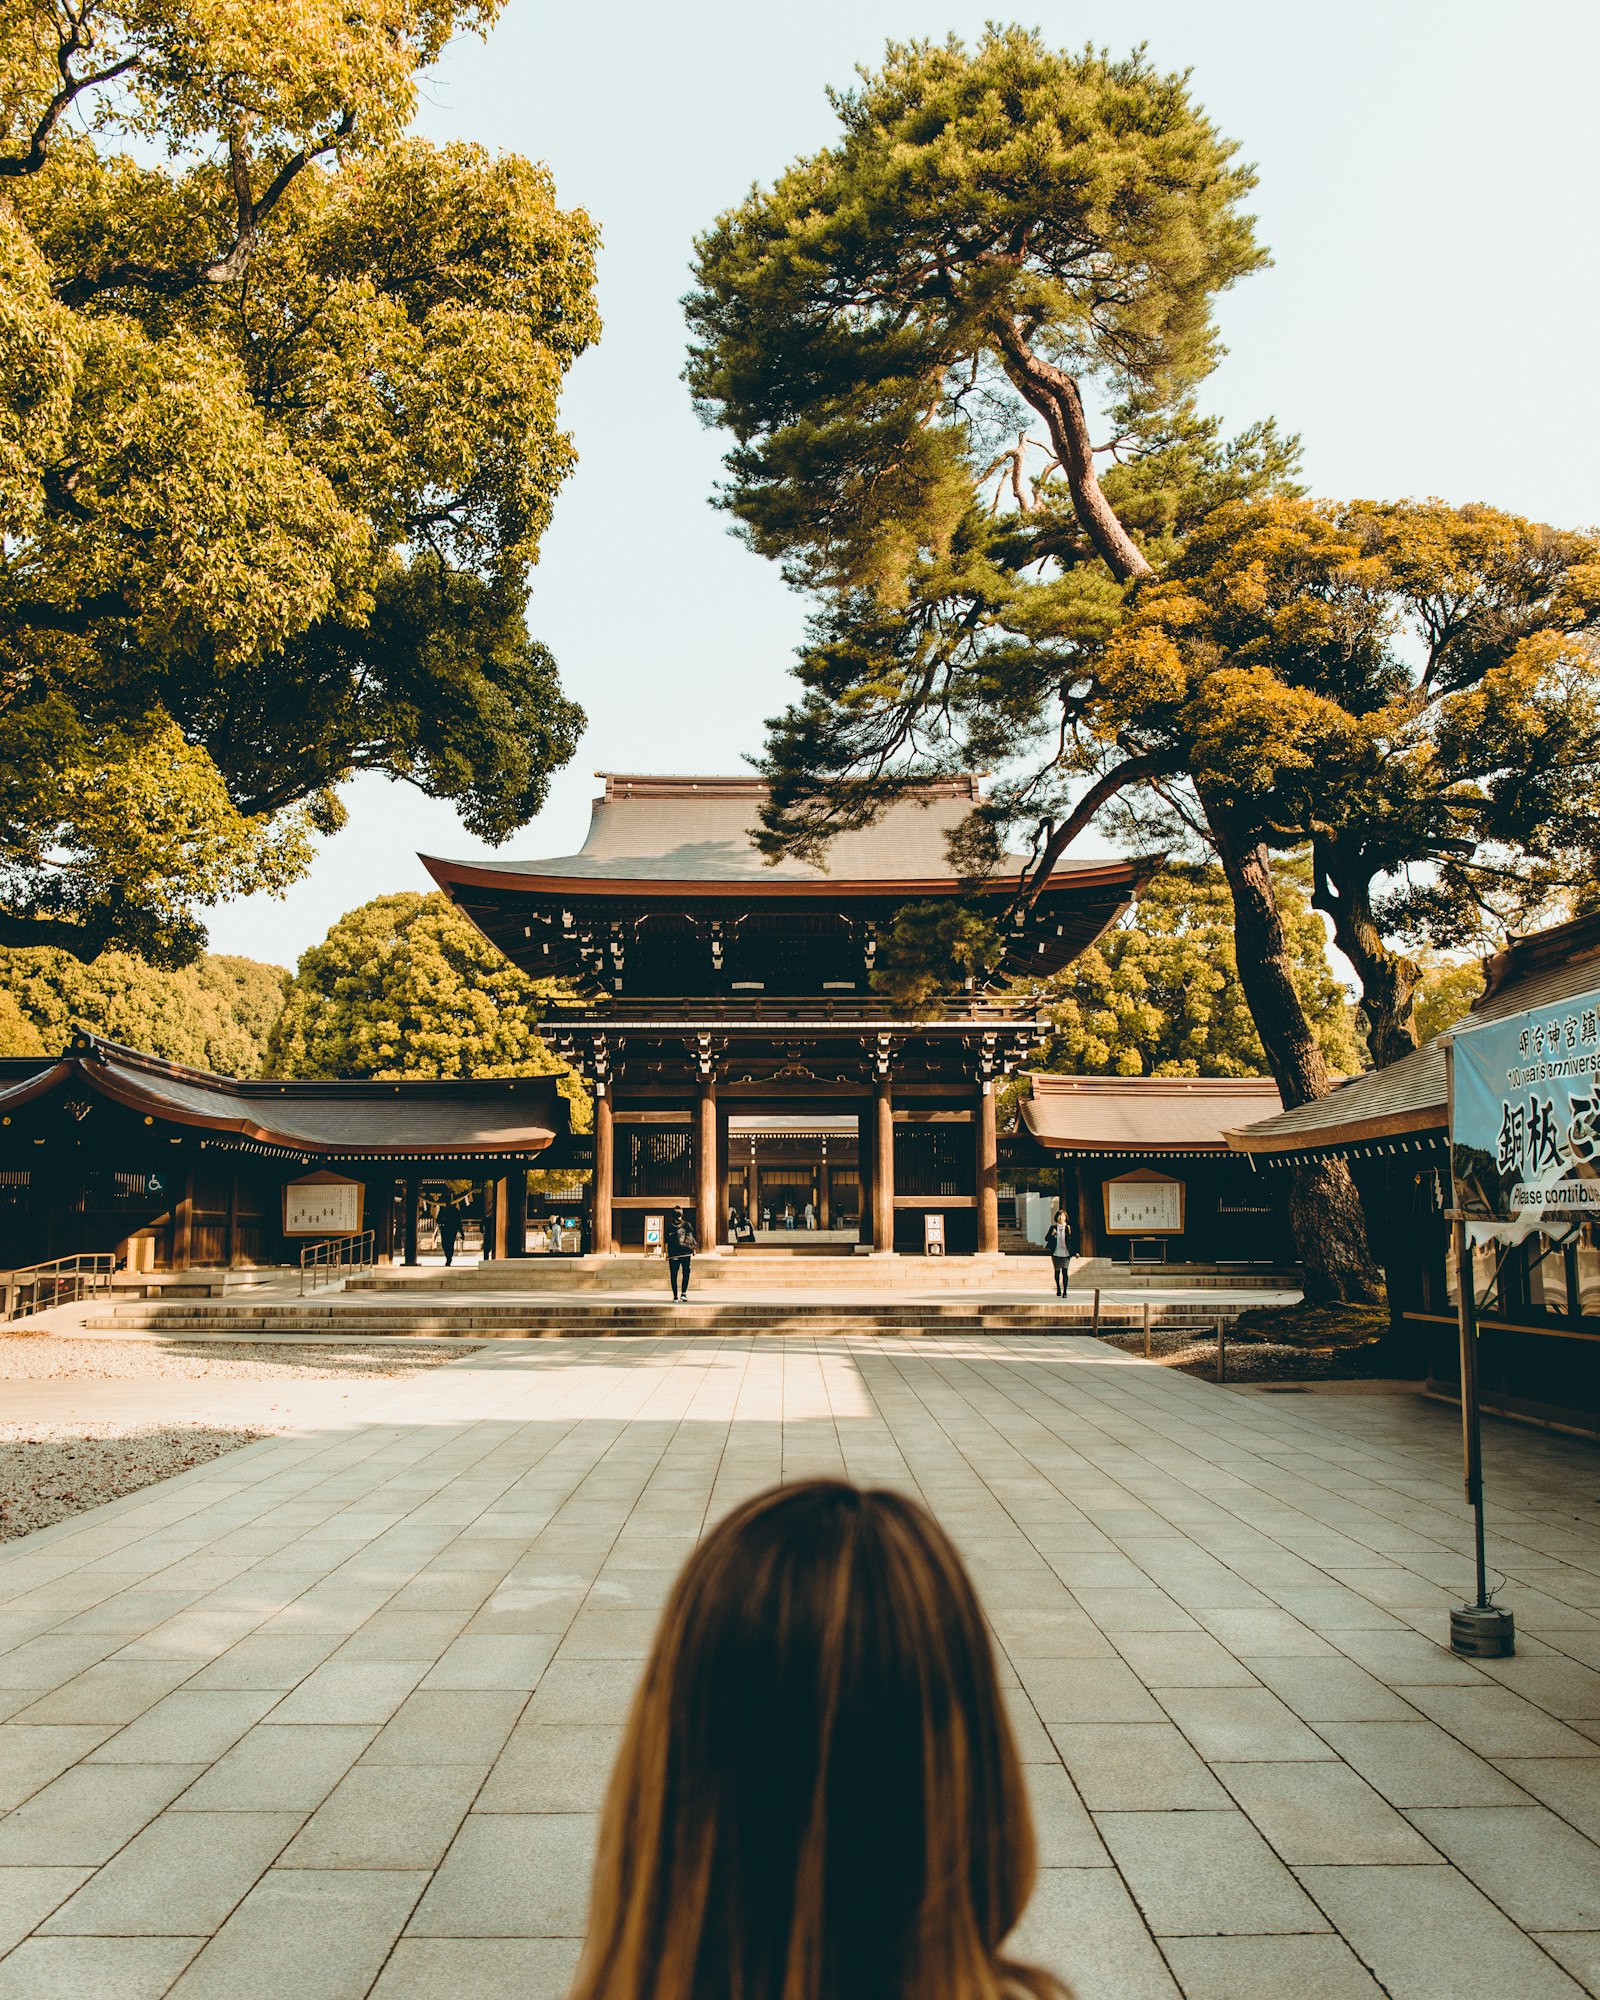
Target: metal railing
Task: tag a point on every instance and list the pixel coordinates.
(336, 1258)
(64, 1281)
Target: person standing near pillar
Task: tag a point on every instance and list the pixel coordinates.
(1060, 1240)
(681, 1244)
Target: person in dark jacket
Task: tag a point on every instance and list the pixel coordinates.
(1061, 1240)
(681, 1246)
(449, 1229)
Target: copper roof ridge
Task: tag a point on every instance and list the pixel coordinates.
(1066, 1081)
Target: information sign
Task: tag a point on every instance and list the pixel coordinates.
(932, 1233)
(1525, 1121)
(654, 1225)
(1144, 1204)
(322, 1205)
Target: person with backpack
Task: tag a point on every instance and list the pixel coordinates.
(681, 1246)
(1060, 1242)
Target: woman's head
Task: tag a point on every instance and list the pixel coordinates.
(818, 1796)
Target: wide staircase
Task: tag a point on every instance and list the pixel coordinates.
(552, 1318)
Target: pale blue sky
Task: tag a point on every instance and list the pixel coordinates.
(1427, 190)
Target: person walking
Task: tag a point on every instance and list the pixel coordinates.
(1061, 1241)
(680, 1246)
(811, 1215)
(818, 1795)
(449, 1228)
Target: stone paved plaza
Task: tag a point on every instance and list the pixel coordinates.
(331, 1716)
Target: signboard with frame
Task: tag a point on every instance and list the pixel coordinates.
(932, 1233)
(323, 1204)
(1525, 1121)
(1144, 1203)
(654, 1228)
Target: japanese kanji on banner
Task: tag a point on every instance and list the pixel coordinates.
(1525, 1121)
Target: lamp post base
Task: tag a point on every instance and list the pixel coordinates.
(1482, 1631)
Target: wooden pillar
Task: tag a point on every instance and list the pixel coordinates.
(724, 1235)
(517, 1211)
(183, 1223)
(705, 1164)
(883, 1168)
(824, 1192)
(866, 1178)
(987, 1177)
(602, 1187)
(413, 1206)
(231, 1247)
(497, 1196)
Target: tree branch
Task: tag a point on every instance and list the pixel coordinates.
(1132, 771)
(72, 44)
(1054, 394)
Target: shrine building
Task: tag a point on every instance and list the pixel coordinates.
(727, 1024)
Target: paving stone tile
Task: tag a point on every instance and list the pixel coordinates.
(87, 1813)
(179, 1878)
(1062, 1827)
(491, 1661)
(485, 1968)
(1497, 1723)
(1135, 1766)
(1322, 1812)
(1081, 1923)
(1205, 1872)
(189, 1727)
(1419, 1764)
(1049, 1633)
(115, 1692)
(1577, 1951)
(610, 1632)
(549, 1768)
(288, 1769)
(1240, 1724)
(273, 1660)
(1570, 1786)
(1182, 1659)
(1408, 1659)
(1087, 1691)
(1428, 1934)
(95, 1968)
(512, 1875)
(1267, 1634)
(1269, 1968)
(1332, 1690)
(586, 1691)
(306, 1934)
(53, 1658)
(454, 1726)
(1540, 1871)
(388, 1816)
(28, 1895)
(1134, 1611)
(351, 1691)
(32, 1755)
(1561, 1687)
(403, 1635)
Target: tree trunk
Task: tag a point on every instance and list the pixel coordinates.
(1054, 394)
(1389, 980)
(1324, 1209)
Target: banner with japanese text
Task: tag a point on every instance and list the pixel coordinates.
(1525, 1121)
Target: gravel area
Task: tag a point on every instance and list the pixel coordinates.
(48, 1471)
(1248, 1360)
(45, 1357)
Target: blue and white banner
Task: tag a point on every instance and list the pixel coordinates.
(1525, 1121)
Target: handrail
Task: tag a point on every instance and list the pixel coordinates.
(62, 1281)
(336, 1257)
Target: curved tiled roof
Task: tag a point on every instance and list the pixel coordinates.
(479, 1116)
(1136, 1114)
(1411, 1096)
(698, 832)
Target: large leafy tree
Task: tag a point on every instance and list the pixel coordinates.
(407, 986)
(907, 336)
(215, 1014)
(1159, 995)
(278, 442)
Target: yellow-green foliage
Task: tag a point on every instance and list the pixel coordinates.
(407, 986)
(278, 441)
(216, 1014)
(1160, 994)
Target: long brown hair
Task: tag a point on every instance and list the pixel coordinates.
(818, 1795)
